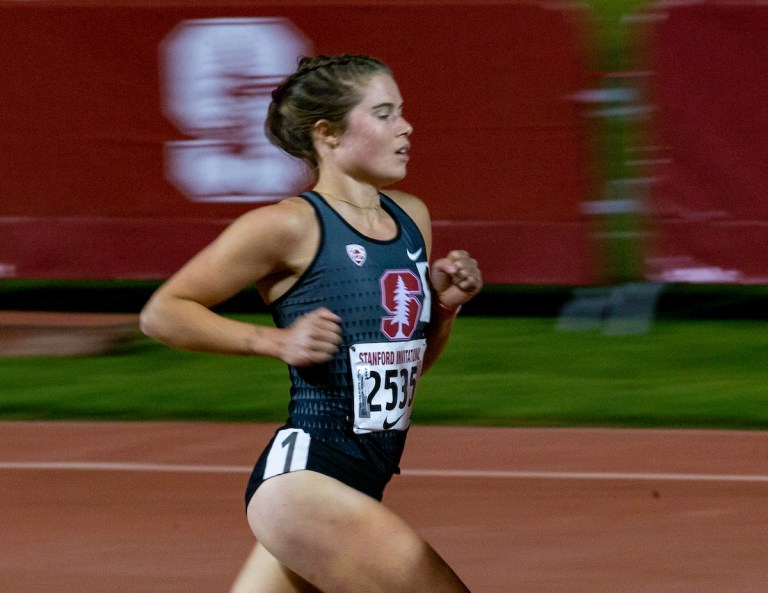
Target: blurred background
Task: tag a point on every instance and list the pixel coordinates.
(603, 160)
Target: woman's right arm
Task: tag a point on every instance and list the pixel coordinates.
(269, 242)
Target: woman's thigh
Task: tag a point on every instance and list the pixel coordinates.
(263, 573)
(341, 540)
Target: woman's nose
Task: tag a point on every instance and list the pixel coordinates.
(407, 127)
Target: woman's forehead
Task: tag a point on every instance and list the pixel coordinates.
(381, 89)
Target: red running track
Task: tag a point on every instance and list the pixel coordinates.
(136, 507)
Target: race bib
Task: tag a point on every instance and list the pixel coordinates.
(384, 377)
(289, 452)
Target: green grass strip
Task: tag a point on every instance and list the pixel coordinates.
(496, 371)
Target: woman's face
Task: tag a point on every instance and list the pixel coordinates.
(374, 147)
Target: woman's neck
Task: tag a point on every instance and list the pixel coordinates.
(359, 196)
(367, 207)
(364, 212)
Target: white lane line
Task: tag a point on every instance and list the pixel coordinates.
(438, 473)
(545, 475)
(105, 466)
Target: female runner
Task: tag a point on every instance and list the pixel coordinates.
(359, 315)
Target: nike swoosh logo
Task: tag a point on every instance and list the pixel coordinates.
(413, 256)
(386, 425)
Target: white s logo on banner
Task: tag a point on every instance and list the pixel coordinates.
(216, 77)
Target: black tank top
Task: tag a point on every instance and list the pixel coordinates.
(381, 292)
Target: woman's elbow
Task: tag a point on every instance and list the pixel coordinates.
(150, 320)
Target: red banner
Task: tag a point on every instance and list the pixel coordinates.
(131, 132)
(709, 212)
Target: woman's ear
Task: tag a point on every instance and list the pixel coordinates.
(324, 134)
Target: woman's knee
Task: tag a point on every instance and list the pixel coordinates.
(419, 568)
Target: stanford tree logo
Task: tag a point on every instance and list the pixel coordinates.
(399, 291)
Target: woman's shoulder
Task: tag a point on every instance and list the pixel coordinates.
(402, 198)
(286, 216)
(408, 202)
(271, 229)
(413, 206)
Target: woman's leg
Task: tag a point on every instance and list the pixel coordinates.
(262, 573)
(343, 541)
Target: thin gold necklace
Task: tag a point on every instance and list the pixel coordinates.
(358, 207)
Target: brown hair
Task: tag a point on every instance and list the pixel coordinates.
(323, 87)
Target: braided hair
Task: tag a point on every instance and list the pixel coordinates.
(322, 87)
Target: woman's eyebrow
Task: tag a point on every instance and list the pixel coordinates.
(385, 105)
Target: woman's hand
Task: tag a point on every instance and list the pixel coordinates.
(311, 339)
(455, 279)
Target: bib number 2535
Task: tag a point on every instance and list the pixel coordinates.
(385, 377)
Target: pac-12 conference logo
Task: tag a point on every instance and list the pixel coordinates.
(400, 290)
(217, 76)
(357, 254)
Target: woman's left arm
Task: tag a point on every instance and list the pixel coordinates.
(455, 279)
